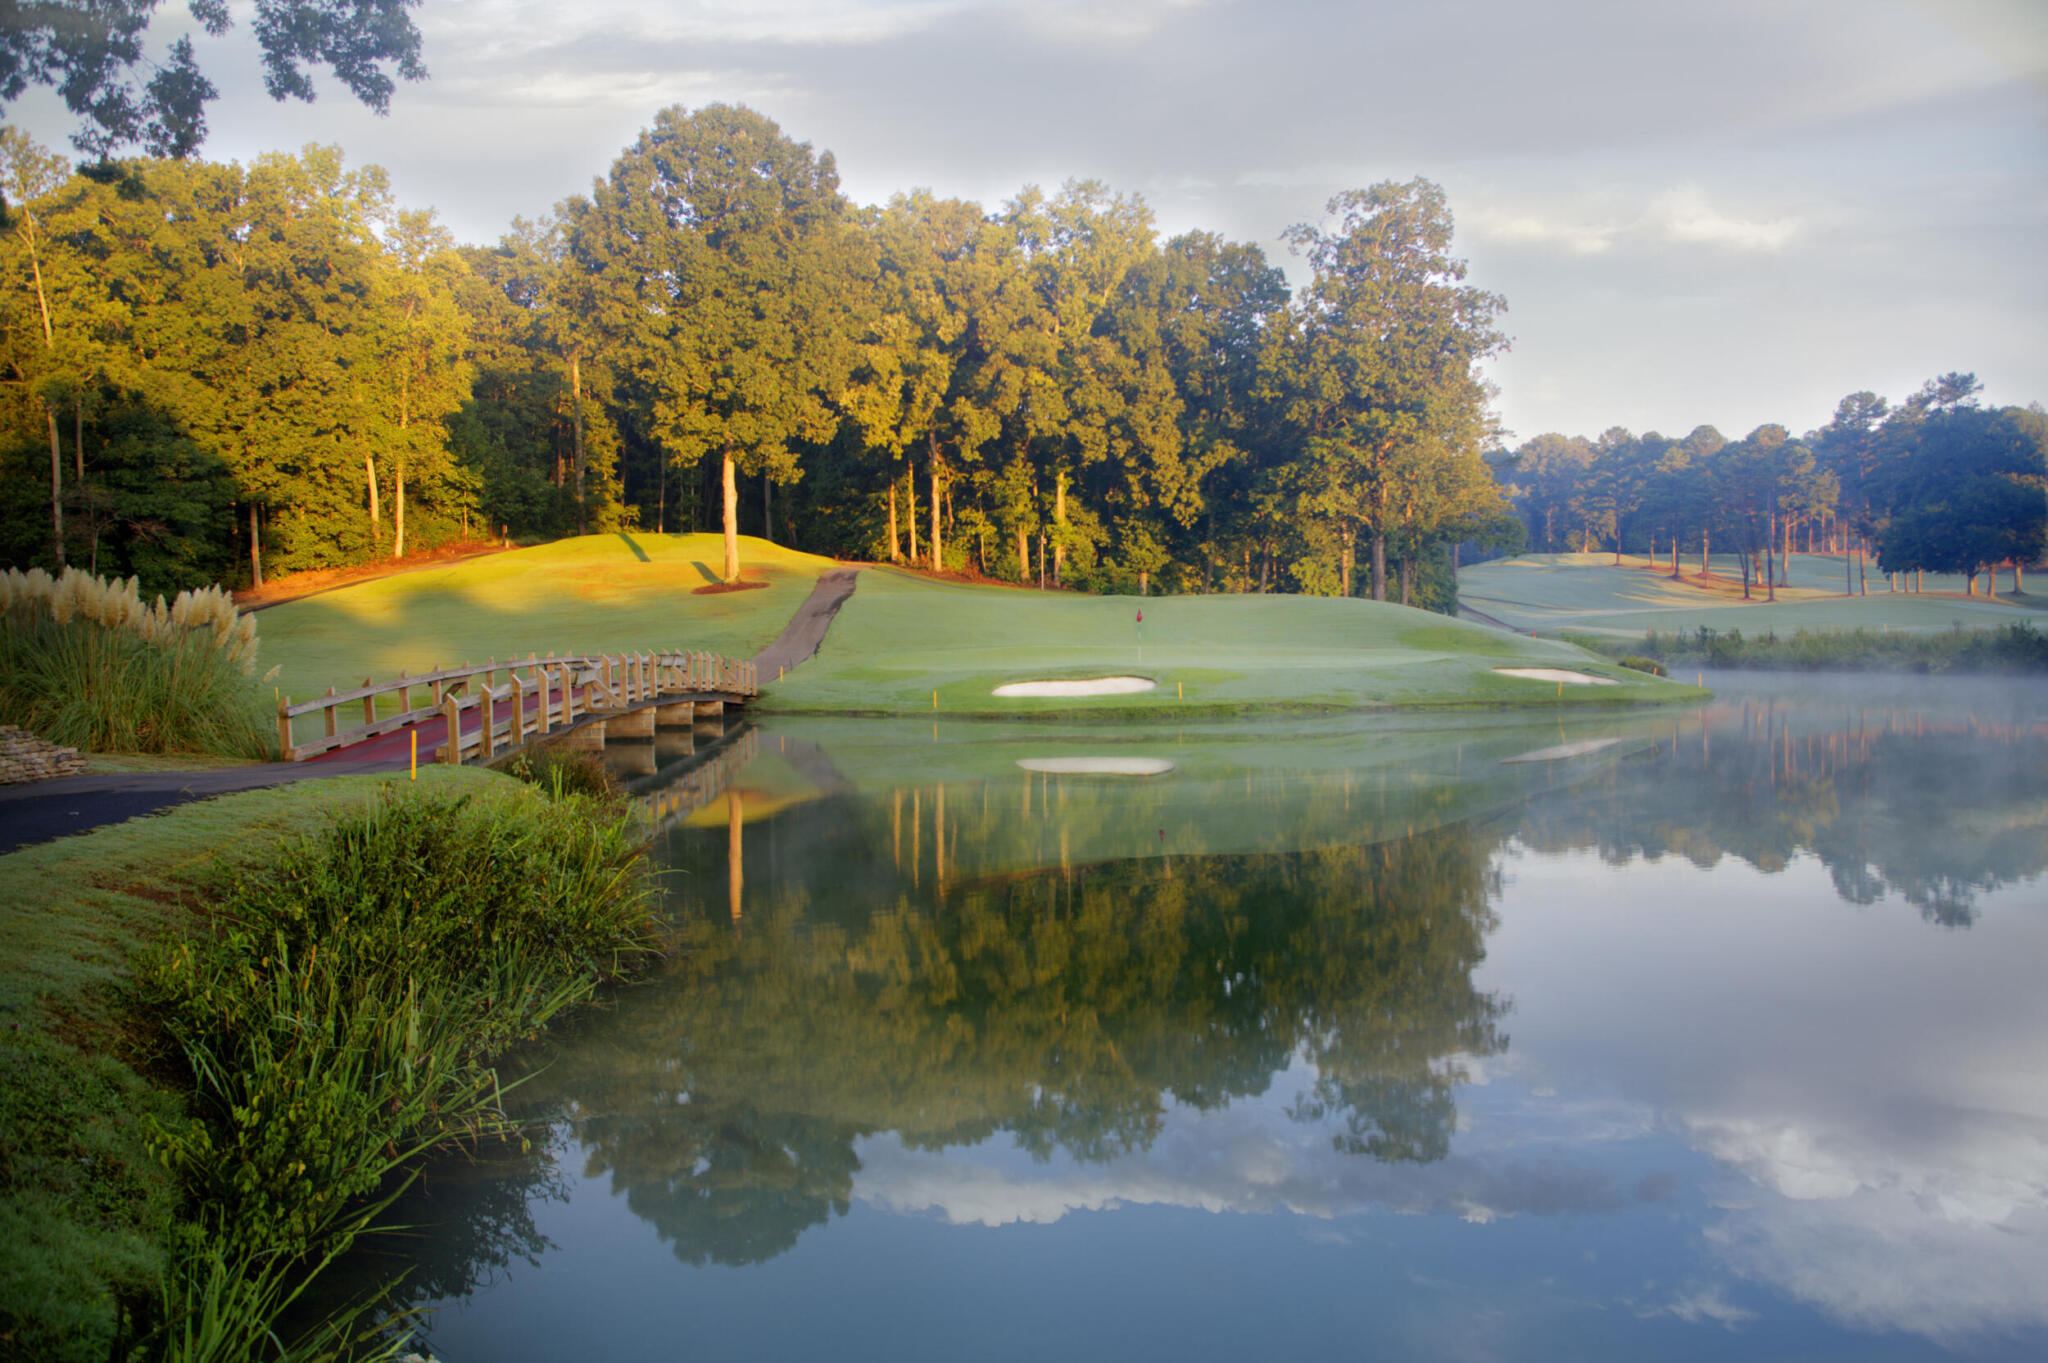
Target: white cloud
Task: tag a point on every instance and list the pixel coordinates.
(1680, 216)
(1684, 215)
(1699, 1304)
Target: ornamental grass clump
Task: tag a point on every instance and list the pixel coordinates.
(341, 1015)
(85, 663)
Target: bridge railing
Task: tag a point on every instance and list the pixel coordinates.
(540, 695)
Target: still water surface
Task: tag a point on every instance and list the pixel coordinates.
(1716, 1033)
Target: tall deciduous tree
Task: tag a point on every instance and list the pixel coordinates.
(733, 240)
(1387, 383)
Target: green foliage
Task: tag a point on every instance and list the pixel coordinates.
(340, 1014)
(560, 772)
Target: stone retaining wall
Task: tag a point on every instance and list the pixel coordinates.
(24, 757)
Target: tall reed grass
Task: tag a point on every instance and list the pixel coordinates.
(342, 1015)
(86, 663)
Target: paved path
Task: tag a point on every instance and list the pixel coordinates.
(44, 810)
(800, 638)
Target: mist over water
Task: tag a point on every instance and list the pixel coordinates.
(1714, 1032)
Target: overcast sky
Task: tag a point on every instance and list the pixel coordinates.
(1729, 212)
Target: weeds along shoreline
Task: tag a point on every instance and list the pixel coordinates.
(316, 1014)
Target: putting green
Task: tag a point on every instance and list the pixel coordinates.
(1553, 593)
(907, 645)
(594, 593)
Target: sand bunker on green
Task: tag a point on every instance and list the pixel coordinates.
(1562, 676)
(1097, 766)
(1586, 593)
(1084, 686)
(906, 645)
(593, 593)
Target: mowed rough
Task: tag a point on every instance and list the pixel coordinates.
(594, 593)
(1552, 593)
(906, 645)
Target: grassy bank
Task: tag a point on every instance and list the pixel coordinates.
(900, 638)
(2012, 649)
(230, 1025)
(595, 593)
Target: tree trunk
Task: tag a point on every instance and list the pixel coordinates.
(895, 541)
(1862, 568)
(78, 439)
(1408, 578)
(938, 527)
(1344, 561)
(728, 477)
(376, 512)
(1023, 555)
(1144, 581)
(255, 547)
(1059, 519)
(2017, 589)
(1379, 565)
(56, 489)
(398, 512)
(910, 501)
(1770, 560)
(1704, 559)
(576, 427)
(767, 510)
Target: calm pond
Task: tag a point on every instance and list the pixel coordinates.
(1705, 1033)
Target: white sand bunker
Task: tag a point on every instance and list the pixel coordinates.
(1556, 674)
(1080, 686)
(1097, 766)
(1564, 750)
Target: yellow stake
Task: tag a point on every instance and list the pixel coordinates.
(935, 700)
(1178, 694)
(1560, 690)
(415, 756)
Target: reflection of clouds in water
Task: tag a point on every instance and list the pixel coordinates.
(1878, 1093)
(1943, 1239)
(1237, 1160)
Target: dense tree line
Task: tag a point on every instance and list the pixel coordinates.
(1935, 484)
(218, 371)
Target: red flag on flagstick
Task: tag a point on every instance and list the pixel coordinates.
(1141, 617)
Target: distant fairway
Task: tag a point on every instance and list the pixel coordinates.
(901, 637)
(595, 593)
(1553, 593)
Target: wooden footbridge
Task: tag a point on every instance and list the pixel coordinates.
(580, 699)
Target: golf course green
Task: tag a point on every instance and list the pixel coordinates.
(903, 638)
(1587, 593)
(593, 593)
(905, 645)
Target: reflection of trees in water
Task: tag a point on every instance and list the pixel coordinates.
(464, 1222)
(1065, 1007)
(1937, 814)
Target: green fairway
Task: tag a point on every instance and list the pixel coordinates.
(901, 638)
(1552, 593)
(595, 593)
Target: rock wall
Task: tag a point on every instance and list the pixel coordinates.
(24, 757)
